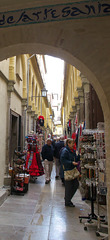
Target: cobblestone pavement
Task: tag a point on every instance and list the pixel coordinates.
(41, 215)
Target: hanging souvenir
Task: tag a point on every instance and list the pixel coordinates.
(41, 121)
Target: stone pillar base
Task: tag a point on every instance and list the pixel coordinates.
(7, 180)
(4, 193)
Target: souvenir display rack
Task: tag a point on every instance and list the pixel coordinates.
(93, 176)
(19, 176)
(102, 227)
(88, 171)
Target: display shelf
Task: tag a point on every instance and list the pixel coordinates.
(93, 172)
(19, 176)
(88, 161)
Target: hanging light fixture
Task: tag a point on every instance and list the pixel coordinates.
(44, 92)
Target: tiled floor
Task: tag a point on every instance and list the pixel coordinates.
(41, 215)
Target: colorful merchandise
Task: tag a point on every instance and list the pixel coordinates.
(33, 161)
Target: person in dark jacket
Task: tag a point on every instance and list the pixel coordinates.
(57, 149)
(69, 161)
(61, 167)
(47, 156)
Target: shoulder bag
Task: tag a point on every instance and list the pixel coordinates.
(71, 174)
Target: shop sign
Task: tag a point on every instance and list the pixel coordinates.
(59, 12)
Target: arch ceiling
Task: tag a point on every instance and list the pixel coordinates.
(82, 42)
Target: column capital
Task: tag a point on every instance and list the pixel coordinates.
(83, 78)
(29, 109)
(11, 86)
(24, 102)
(85, 83)
(76, 100)
(74, 109)
(32, 114)
(78, 107)
(72, 115)
(35, 116)
(81, 98)
(80, 92)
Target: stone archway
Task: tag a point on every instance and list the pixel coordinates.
(83, 42)
(93, 80)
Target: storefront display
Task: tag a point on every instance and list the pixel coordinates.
(93, 172)
(19, 175)
(88, 163)
(33, 160)
(88, 171)
(27, 164)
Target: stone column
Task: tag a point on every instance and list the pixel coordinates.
(72, 125)
(72, 122)
(29, 110)
(23, 122)
(35, 119)
(78, 113)
(82, 117)
(81, 100)
(77, 107)
(74, 116)
(10, 89)
(86, 87)
(30, 114)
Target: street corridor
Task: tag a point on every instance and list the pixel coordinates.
(41, 215)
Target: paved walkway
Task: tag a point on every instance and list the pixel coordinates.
(41, 214)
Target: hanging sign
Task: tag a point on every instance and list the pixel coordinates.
(58, 12)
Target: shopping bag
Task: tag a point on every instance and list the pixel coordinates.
(71, 174)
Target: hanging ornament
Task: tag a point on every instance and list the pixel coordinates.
(41, 121)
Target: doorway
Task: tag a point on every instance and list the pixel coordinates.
(15, 133)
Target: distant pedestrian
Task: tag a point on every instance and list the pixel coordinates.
(53, 143)
(58, 146)
(47, 156)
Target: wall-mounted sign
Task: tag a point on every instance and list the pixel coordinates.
(59, 12)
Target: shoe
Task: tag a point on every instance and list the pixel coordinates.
(62, 179)
(46, 182)
(57, 177)
(72, 204)
(69, 204)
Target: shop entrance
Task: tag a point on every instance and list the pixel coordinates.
(15, 133)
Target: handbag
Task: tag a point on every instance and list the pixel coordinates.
(71, 174)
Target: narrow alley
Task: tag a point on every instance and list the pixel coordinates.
(41, 214)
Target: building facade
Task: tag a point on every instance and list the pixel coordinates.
(21, 104)
(80, 102)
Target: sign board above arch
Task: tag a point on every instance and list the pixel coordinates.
(59, 12)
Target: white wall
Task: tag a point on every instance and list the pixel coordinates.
(3, 114)
(16, 104)
(4, 67)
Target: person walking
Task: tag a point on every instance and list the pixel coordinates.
(61, 166)
(47, 156)
(58, 146)
(69, 161)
